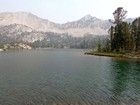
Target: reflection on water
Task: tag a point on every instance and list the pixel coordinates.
(126, 82)
(64, 77)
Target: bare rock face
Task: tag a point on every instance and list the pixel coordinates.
(25, 18)
(86, 25)
(19, 33)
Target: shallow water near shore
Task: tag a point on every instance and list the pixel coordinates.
(67, 76)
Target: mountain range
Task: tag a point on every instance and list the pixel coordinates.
(26, 27)
(85, 25)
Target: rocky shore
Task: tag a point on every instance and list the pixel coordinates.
(18, 46)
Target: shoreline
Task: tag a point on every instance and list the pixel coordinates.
(129, 56)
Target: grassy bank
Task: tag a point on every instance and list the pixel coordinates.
(110, 54)
(104, 54)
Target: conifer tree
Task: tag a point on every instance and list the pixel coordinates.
(135, 31)
(128, 41)
(99, 46)
(117, 36)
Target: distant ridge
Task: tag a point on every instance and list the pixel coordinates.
(86, 25)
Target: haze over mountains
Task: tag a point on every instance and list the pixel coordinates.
(85, 25)
(25, 27)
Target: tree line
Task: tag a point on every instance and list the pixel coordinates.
(124, 37)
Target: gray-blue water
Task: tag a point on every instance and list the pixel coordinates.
(67, 77)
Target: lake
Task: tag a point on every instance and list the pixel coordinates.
(67, 77)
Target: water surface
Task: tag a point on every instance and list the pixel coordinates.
(67, 76)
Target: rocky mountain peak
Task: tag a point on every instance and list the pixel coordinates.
(88, 17)
(87, 24)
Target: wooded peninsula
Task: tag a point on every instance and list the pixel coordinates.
(124, 38)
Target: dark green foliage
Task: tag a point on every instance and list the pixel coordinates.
(108, 46)
(136, 33)
(128, 41)
(125, 37)
(122, 39)
(99, 46)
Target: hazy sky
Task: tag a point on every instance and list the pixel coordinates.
(61, 11)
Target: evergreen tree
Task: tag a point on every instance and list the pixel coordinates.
(119, 14)
(117, 35)
(111, 32)
(108, 46)
(136, 33)
(124, 36)
(99, 46)
(128, 41)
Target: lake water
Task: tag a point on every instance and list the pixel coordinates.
(67, 77)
